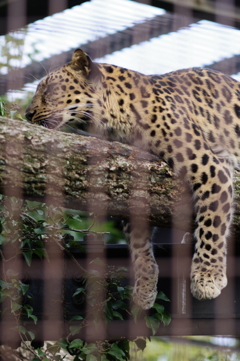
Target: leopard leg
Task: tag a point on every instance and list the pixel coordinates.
(144, 265)
(214, 206)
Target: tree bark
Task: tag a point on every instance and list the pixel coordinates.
(93, 174)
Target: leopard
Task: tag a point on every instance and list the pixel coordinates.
(188, 118)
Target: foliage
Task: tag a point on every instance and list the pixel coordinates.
(13, 110)
(27, 229)
(167, 349)
(12, 49)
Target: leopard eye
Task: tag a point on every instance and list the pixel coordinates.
(50, 88)
(40, 86)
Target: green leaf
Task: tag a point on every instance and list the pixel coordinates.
(34, 318)
(28, 257)
(5, 293)
(11, 273)
(3, 240)
(40, 230)
(120, 289)
(4, 284)
(48, 345)
(153, 323)
(76, 318)
(128, 292)
(109, 310)
(141, 343)
(117, 315)
(78, 291)
(75, 329)
(136, 312)
(53, 349)
(117, 352)
(123, 345)
(40, 252)
(24, 288)
(94, 274)
(91, 358)
(76, 343)
(29, 311)
(2, 110)
(159, 308)
(121, 292)
(20, 329)
(166, 318)
(162, 296)
(63, 343)
(98, 262)
(31, 334)
(16, 306)
(122, 269)
(40, 352)
(104, 358)
(119, 305)
(90, 348)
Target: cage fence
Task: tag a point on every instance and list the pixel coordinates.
(50, 285)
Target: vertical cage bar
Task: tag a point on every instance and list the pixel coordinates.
(53, 272)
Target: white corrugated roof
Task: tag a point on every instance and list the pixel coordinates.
(199, 44)
(79, 25)
(236, 76)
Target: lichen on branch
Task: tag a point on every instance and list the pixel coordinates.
(90, 173)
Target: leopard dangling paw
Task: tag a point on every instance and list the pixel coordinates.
(146, 279)
(144, 300)
(208, 285)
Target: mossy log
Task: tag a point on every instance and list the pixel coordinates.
(92, 174)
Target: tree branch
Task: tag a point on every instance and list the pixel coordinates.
(92, 174)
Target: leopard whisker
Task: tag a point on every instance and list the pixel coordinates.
(82, 132)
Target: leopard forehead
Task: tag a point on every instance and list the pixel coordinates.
(63, 86)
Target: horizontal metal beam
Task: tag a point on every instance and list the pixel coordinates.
(189, 316)
(224, 12)
(32, 11)
(227, 66)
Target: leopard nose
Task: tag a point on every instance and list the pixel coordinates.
(29, 115)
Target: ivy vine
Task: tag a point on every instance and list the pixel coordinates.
(25, 228)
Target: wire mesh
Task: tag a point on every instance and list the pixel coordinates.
(111, 34)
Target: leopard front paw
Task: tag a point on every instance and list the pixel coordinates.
(207, 285)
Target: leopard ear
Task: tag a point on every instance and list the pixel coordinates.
(81, 62)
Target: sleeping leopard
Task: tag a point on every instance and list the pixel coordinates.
(189, 118)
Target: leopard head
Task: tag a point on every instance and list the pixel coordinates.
(67, 94)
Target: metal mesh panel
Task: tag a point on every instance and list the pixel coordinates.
(110, 36)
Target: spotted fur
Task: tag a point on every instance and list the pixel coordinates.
(189, 118)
